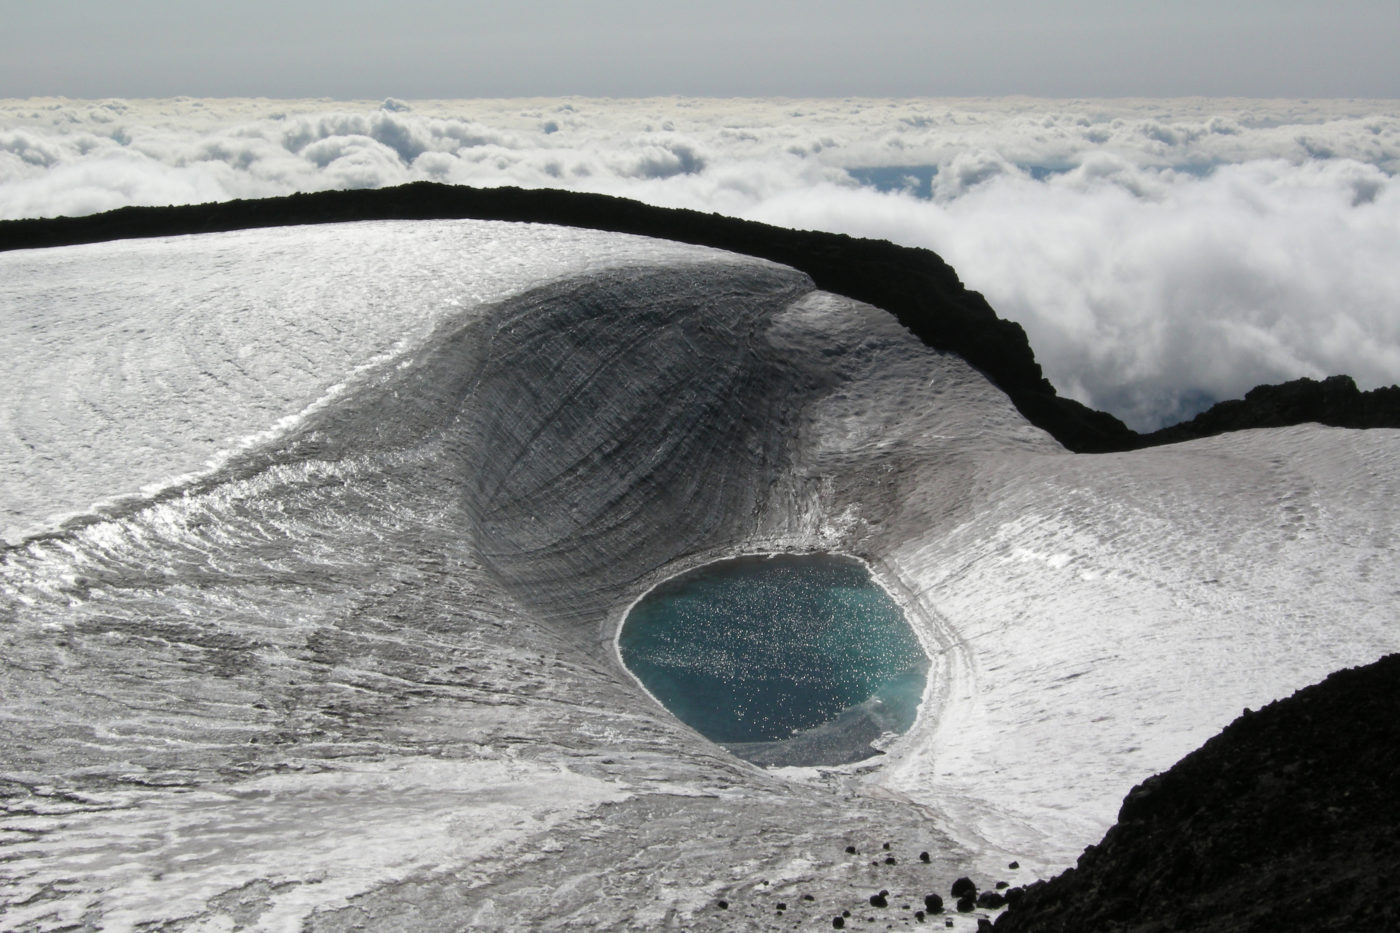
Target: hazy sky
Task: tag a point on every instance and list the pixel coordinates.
(453, 49)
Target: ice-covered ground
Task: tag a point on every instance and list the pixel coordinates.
(320, 538)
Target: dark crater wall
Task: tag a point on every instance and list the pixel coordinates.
(1285, 821)
(914, 285)
(623, 420)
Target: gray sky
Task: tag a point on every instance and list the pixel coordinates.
(437, 48)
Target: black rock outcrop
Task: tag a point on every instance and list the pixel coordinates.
(914, 285)
(1334, 401)
(1284, 821)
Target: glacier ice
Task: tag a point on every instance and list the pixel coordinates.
(314, 577)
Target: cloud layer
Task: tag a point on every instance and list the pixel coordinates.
(1161, 254)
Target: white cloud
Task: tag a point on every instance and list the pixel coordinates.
(1160, 254)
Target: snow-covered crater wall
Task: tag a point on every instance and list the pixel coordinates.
(349, 659)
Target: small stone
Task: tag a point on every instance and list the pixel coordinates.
(966, 904)
(948, 922)
(878, 900)
(850, 850)
(990, 900)
(933, 903)
(886, 847)
(1013, 865)
(919, 916)
(838, 923)
(808, 897)
(890, 860)
(1002, 885)
(923, 857)
(722, 905)
(964, 886)
(782, 905)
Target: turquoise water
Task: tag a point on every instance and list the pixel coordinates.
(787, 659)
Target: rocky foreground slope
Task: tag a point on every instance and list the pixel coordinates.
(1285, 821)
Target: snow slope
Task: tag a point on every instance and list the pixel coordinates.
(320, 539)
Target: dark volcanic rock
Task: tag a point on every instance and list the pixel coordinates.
(914, 285)
(990, 900)
(1334, 401)
(1287, 820)
(964, 886)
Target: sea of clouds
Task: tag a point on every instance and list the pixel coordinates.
(1161, 254)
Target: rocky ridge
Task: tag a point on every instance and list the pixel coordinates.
(915, 285)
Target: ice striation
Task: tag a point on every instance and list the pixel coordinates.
(319, 539)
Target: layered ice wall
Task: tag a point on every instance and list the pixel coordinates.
(336, 645)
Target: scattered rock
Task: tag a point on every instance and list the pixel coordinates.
(966, 904)
(919, 916)
(923, 857)
(990, 900)
(838, 923)
(933, 903)
(964, 886)
(890, 860)
(1002, 885)
(722, 905)
(1013, 865)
